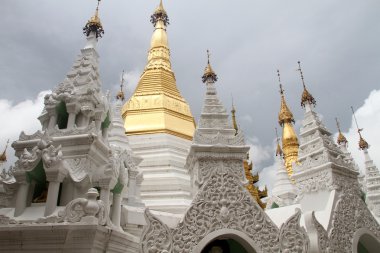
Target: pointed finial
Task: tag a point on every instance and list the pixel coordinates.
(94, 25)
(285, 114)
(209, 74)
(278, 149)
(233, 111)
(363, 145)
(159, 15)
(279, 81)
(120, 94)
(341, 138)
(306, 96)
(3, 156)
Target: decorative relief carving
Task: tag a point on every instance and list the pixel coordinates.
(219, 138)
(156, 236)
(91, 128)
(350, 214)
(86, 210)
(293, 238)
(323, 240)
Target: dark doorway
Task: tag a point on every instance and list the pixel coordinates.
(224, 246)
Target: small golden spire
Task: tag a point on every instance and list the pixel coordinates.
(209, 74)
(3, 156)
(306, 96)
(285, 114)
(363, 145)
(94, 24)
(120, 94)
(341, 138)
(278, 149)
(233, 111)
(160, 15)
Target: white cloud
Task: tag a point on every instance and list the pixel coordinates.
(368, 116)
(19, 117)
(258, 153)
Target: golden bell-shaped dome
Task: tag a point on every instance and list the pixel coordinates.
(156, 105)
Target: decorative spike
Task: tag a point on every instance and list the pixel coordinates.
(209, 74)
(341, 138)
(233, 111)
(3, 156)
(306, 96)
(120, 94)
(94, 24)
(159, 15)
(285, 114)
(363, 144)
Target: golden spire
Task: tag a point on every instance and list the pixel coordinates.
(363, 145)
(290, 143)
(278, 149)
(233, 111)
(3, 156)
(94, 24)
(156, 105)
(209, 74)
(285, 115)
(341, 138)
(120, 94)
(306, 96)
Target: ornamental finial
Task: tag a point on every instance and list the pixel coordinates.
(279, 81)
(306, 96)
(363, 145)
(341, 138)
(3, 156)
(94, 24)
(159, 15)
(233, 111)
(285, 115)
(209, 74)
(278, 149)
(120, 94)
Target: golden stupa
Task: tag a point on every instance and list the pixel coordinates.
(290, 143)
(156, 105)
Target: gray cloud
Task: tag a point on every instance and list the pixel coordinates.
(337, 42)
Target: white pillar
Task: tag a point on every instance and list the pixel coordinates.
(105, 195)
(52, 121)
(116, 209)
(52, 198)
(22, 195)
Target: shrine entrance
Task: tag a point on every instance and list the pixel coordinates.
(224, 246)
(226, 241)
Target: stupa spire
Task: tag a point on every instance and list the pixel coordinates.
(306, 98)
(156, 106)
(341, 140)
(363, 144)
(120, 95)
(285, 115)
(94, 24)
(289, 138)
(3, 156)
(209, 74)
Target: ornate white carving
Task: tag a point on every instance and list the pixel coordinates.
(156, 236)
(350, 214)
(323, 240)
(25, 137)
(293, 237)
(86, 210)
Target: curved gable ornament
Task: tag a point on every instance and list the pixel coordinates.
(350, 215)
(156, 236)
(293, 238)
(222, 203)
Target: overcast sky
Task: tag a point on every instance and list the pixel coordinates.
(336, 41)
